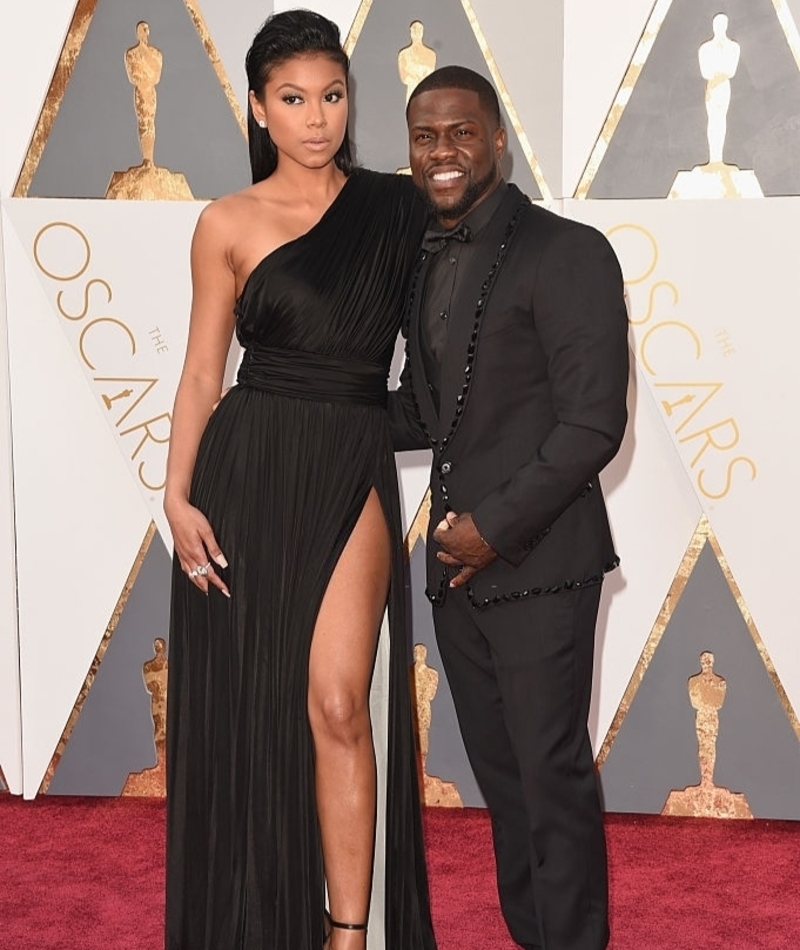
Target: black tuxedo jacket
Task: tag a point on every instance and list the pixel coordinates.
(532, 403)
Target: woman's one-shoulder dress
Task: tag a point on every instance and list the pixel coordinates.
(283, 471)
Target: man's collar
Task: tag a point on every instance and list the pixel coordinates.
(481, 214)
(437, 237)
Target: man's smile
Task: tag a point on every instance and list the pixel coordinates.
(447, 176)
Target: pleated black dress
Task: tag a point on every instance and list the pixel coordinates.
(283, 471)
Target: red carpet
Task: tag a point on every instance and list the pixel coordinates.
(86, 874)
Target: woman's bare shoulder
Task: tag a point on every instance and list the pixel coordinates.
(228, 211)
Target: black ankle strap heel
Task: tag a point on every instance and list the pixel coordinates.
(340, 926)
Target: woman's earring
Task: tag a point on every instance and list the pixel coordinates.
(262, 123)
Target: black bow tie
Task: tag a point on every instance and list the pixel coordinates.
(435, 239)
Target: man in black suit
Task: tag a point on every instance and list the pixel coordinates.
(516, 376)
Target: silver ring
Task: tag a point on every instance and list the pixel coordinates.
(202, 569)
(192, 574)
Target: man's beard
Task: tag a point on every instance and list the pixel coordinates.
(473, 191)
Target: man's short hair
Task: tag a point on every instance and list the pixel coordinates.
(459, 77)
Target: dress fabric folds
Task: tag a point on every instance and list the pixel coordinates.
(283, 471)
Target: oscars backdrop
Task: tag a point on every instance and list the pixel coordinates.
(672, 127)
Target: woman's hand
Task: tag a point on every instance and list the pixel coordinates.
(195, 545)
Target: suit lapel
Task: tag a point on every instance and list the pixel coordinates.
(469, 304)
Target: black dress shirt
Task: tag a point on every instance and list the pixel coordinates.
(447, 269)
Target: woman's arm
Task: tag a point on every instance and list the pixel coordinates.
(404, 422)
(210, 330)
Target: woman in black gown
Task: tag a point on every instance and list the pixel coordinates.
(284, 510)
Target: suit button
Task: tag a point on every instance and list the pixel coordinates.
(446, 468)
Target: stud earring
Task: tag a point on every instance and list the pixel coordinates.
(262, 123)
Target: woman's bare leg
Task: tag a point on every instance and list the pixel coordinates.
(340, 670)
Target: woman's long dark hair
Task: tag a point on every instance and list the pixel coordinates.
(284, 35)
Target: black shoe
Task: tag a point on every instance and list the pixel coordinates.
(339, 926)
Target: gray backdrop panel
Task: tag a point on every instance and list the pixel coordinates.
(656, 748)
(447, 758)
(663, 127)
(114, 733)
(380, 96)
(95, 131)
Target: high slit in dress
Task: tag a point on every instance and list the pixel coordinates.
(283, 471)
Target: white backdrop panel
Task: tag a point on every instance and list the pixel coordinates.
(31, 37)
(117, 277)
(80, 519)
(232, 27)
(599, 41)
(653, 513)
(10, 722)
(713, 296)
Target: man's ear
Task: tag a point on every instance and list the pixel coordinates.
(500, 142)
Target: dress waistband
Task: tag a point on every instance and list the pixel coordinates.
(313, 376)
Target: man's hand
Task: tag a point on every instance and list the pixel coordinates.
(463, 547)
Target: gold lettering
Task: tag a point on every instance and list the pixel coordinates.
(698, 347)
(687, 399)
(143, 480)
(710, 440)
(89, 326)
(725, 343)
(110, 400)
(630, 281)
(51, 273)
(159, 342)
(149, 436)
(86, 289)
(150, 381)
(651, 301)
(728, 476)
(670, 407)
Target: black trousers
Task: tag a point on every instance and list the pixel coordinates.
(521, 677)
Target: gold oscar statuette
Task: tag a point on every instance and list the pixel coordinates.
(719, 60)
(152, 782)
(143, 64)
(707, 694)
(414, 63)
(426, 682)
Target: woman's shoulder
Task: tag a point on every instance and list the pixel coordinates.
(252, 201)
(223, 222)
(233, 205)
